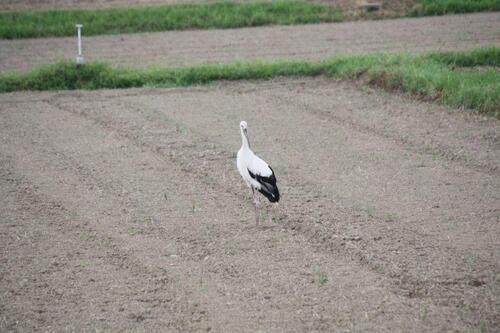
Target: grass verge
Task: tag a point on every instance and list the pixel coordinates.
(223, 14)
(460, 79)
(442, 7)
(50, 23)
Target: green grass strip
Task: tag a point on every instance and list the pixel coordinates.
(161, 18)
(460, 79)
(442, 7)
(476, 57)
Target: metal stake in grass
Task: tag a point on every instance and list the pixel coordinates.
(79, 57)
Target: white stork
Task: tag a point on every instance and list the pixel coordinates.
(257, 174)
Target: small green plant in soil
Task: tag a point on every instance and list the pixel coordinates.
(321, 278)
(132, 231)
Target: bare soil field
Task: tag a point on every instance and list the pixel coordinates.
(178, 48)
(123, 210)
(10, 5)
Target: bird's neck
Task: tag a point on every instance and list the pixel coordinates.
(244, 141)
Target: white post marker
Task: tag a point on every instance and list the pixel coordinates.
(79, 57)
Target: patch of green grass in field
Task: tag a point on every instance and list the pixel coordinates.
(440, 78)
(468, 79)
(29, 24)
(442, 7)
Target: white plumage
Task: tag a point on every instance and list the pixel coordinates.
(256, 173)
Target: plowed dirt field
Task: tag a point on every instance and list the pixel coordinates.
(123, 210)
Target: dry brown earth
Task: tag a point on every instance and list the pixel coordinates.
(17, 5)
(291, 42)
(123, 210)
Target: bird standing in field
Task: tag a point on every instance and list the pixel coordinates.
(257, 174)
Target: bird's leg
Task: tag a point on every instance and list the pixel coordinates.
(255, 203)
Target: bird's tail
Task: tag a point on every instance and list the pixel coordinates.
(270, 191)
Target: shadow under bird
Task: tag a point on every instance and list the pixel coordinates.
(256, 173)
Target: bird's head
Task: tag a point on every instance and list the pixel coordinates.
(244, 127)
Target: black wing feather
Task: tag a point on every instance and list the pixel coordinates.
(268, 185)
